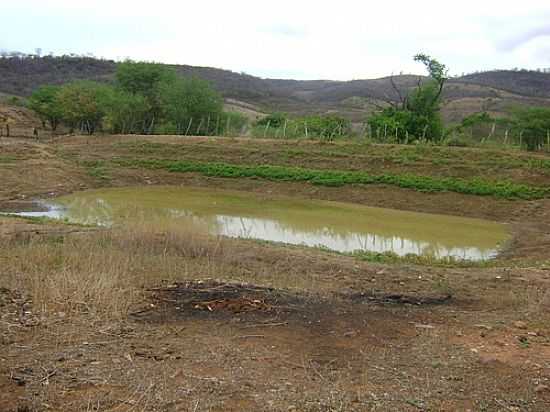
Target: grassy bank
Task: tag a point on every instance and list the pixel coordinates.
(454, 159)
(336, 178)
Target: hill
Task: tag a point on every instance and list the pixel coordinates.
(495, 91)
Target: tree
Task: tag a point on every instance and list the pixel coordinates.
(325, 127)
(416, 113)
(125, 112)
(83, 104)
(276, 119)
(533, 124)
(147, 80)
(45, 102)
(189, 100)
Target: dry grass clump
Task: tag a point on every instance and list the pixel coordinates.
(104, 273)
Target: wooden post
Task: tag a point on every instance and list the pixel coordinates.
(199, 128)
(506, 137)
(424, 132)
(491, 133)
(284, 130)
(189, 126)
(548, 140)
(385, 132)
(363, 131)
(266, 127)
(227, 125)
(305, 127)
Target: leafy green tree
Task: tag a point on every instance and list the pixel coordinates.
(417, 113)
(44, 101)
(476, 119)
(148, 80)
(276, 119)
(231, 123)
(533, 124)
(125, 112)
(83, 104)
(325, 127)
(190, 100)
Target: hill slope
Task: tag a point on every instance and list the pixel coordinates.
(493, 91)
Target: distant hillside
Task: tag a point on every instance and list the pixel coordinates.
(526, 83)
(20, 76)
(495, 91)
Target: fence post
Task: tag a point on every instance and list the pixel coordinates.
(227, 126)
(208, 126)
(424, 132)
(189, 126)
(284, 130)
(199, 128)
(217, 132)
(305, 126)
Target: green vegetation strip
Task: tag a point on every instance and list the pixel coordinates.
(336, 178)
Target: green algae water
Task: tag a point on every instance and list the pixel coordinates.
(338, 226)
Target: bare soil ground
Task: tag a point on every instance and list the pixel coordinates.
(161, 322)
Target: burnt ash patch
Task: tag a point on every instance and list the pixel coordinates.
(212, 299)
(398, 299)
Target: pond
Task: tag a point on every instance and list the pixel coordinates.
(338, 226)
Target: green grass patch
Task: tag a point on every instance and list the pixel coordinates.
(97, 169)
(8, 159)
(335, 178)
(420, 260)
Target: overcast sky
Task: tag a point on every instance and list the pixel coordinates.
(338, 40)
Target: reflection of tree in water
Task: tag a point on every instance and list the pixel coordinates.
(280, 228)
(345, 242)
(90, 211)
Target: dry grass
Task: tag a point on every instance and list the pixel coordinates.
(104, 273)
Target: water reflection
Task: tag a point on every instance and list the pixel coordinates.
(337, 226)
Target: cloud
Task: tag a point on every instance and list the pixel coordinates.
(513, 42)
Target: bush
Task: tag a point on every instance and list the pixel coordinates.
(325, 127)
(274, 120)
(457, 141)
(533, 124)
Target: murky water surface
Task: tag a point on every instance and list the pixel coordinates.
(338, 226)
